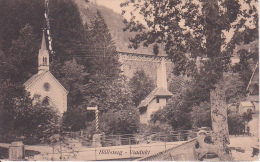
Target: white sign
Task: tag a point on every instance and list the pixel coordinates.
(92, 108)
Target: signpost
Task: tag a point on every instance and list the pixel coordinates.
(96, 114)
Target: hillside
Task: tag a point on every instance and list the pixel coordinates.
(115, 25)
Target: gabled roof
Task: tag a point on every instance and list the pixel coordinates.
(247, 104)
(31, 80)
(157, 92)
(35, 77)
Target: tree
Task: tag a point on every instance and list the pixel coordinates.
(191, 29)
(102, 58)
(73, 79)
(23, 56)
(105, 86)
(15, 15)
(174, 114)
(247, 116)
(37, 123)
(200, 115)
(67, 30)
(108, 95)
(120, 122)
(140, 85)
(236, 124)
(19, 117)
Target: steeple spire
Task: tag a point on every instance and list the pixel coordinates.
(161, 75)
(43, 57)
(43, 46)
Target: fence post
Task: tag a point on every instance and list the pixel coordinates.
(60, 151)
(95, 150)
(165, 141)
(16, 151)
(130, 146)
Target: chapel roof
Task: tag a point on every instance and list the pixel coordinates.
(31, 80)
(157, 92)
(35, 77)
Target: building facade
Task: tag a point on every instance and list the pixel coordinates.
(44, 86)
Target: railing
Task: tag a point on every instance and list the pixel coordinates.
(182, 152)
(80, 146)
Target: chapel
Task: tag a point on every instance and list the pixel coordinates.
(157, 98)
(49, 90)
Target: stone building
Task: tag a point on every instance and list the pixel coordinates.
(44, 85)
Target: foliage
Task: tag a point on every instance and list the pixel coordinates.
(158, 127)
(140, 85)
(247, 116)
(174, 114)
(22, 56)
(19, 117)
(66, 29)
(190, 30)
(119, 122)
(248, 57)
(107, 95)
(236, 124)
(102, 57)
(11, 99)
(15, 15)
(73, 78)
(201, 115)
(37, 122)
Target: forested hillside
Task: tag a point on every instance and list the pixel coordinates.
(115, 25)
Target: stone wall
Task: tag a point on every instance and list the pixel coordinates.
(149, 63)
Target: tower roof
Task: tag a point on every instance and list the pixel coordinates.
(157, 92)
(43, 45)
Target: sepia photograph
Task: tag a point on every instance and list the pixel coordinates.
(129, 80)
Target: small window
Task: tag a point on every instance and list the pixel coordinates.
(157, 100)
(46, 86)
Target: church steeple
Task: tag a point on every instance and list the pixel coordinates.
(43, 57)
(161, 75)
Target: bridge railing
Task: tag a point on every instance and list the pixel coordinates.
(182, 152)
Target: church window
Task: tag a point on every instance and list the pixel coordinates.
(43, 60)
(46, 86)
(157, 100)
(46, 102)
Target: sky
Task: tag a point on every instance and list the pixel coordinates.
(115, 5)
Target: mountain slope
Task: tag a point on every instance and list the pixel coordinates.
(115, 25)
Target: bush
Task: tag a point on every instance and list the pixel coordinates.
(36, 124)
(118, 122)
(236, 124)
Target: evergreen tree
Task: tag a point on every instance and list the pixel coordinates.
(102, 58)
(15, 14)
(106, 87)
(23, 56)
(66, 29)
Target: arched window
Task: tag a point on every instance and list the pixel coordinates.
(43, 61)
(46, 101)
